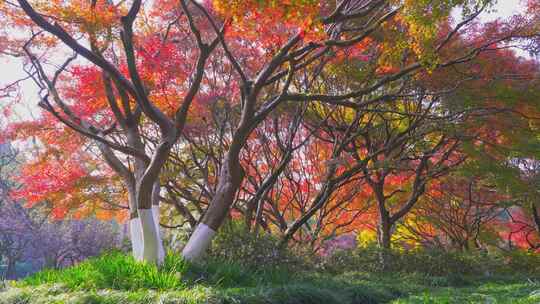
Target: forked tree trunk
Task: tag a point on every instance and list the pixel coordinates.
(232, 173)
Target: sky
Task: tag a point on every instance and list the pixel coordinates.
(504, 8)
(10, 69)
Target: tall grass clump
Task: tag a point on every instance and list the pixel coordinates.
(115, 270)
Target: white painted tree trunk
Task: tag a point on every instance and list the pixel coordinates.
(150, 236)
(198, 243)
(135, 233)
(156, 215)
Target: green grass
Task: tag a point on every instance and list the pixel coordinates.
(115, 271)
(117, 278)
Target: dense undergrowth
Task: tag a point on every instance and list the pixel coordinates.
(247, 269)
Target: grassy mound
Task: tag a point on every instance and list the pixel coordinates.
(118, 278)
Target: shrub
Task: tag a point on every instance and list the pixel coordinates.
(518, 261)
(431, 262)
(234, 244)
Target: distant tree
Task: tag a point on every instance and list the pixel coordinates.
(18, 235)
(67, 242)
(462, 213)
(27, 234)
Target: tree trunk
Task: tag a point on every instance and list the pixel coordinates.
(150, 237)
(10, 270)
(198, 243)
(384, 236)
(135, 229)
(145, 231)
(148, 189)
(229, 181)
(136, 234)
